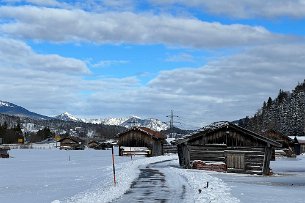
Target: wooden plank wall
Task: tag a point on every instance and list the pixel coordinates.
(253, 158)
(140, 139)
(232, 139)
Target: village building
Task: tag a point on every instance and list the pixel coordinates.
(224, 146)
(94, 144)
(71, 143)
(141, 140)
(288, 145)
(299, 144)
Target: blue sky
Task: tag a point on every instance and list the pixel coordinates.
(206, 60)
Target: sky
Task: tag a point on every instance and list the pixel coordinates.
(205, 60)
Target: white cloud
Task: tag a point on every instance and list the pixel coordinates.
(105, 63)
(17, 55)
(36, 2)
(61, 25)
(224, 89)
(182, 57)
(245, 8)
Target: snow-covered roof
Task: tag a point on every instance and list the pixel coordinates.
(300, 139)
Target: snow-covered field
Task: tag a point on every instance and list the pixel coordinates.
(52, 175)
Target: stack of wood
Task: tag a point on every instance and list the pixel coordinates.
(4, 152)
(211, 166)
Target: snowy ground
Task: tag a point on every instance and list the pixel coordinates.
(286, 185)
(52, 175)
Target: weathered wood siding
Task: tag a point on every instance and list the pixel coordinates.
(140, 139)
(230, 138)
(169, 149)
(240, 152)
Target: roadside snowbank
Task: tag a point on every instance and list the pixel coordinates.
(126, 173)
(217, 191)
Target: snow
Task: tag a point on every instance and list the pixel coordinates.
(67, 117)
(286, 185)
(2, 103)
(46, 174)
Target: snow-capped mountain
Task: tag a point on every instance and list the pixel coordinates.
(14, 110)
(68, 117)
(151, 123)
(126, 122)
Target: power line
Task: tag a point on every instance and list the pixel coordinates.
(171, 122)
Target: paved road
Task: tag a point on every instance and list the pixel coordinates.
(156, 183)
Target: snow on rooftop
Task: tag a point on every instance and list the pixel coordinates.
(215, 125)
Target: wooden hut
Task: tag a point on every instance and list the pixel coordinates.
(233, 148)
(143, 138)
(299, 144)
(287, 148)
(4, 152)
(72, 143)
(94, 144)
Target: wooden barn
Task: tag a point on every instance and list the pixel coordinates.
(288, 145)
(143, 138)
(94, 144)
(299, 144)
(72, 143)
(232, 148)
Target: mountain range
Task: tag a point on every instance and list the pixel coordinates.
(15, 110)
(126, 122)
(8, 108)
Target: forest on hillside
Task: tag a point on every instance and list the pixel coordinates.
(285, 113)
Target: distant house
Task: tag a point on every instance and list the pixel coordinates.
(94, 144)
(299, 144)
(223, 146)
(141, 137)
(4, 152)
(72, 143)
(288, 144)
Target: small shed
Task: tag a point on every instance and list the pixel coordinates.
(4, 152)
(93, 144)
(288, 145)
(299, 144)
(231, 147)
(72, 143)
(142, 137)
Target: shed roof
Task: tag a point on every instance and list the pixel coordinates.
(225, 124)
(73, 138)
(150, 132)
(299, 139)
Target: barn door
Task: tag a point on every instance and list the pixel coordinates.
(235, 162)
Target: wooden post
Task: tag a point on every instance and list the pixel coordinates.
(113, 167)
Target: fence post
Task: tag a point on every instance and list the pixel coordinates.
(113, 167)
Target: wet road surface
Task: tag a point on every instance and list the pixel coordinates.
(156, 184)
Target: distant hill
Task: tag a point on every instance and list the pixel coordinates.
(285, 113)
(14, 110)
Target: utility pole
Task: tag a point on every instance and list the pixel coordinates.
(171, 122)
